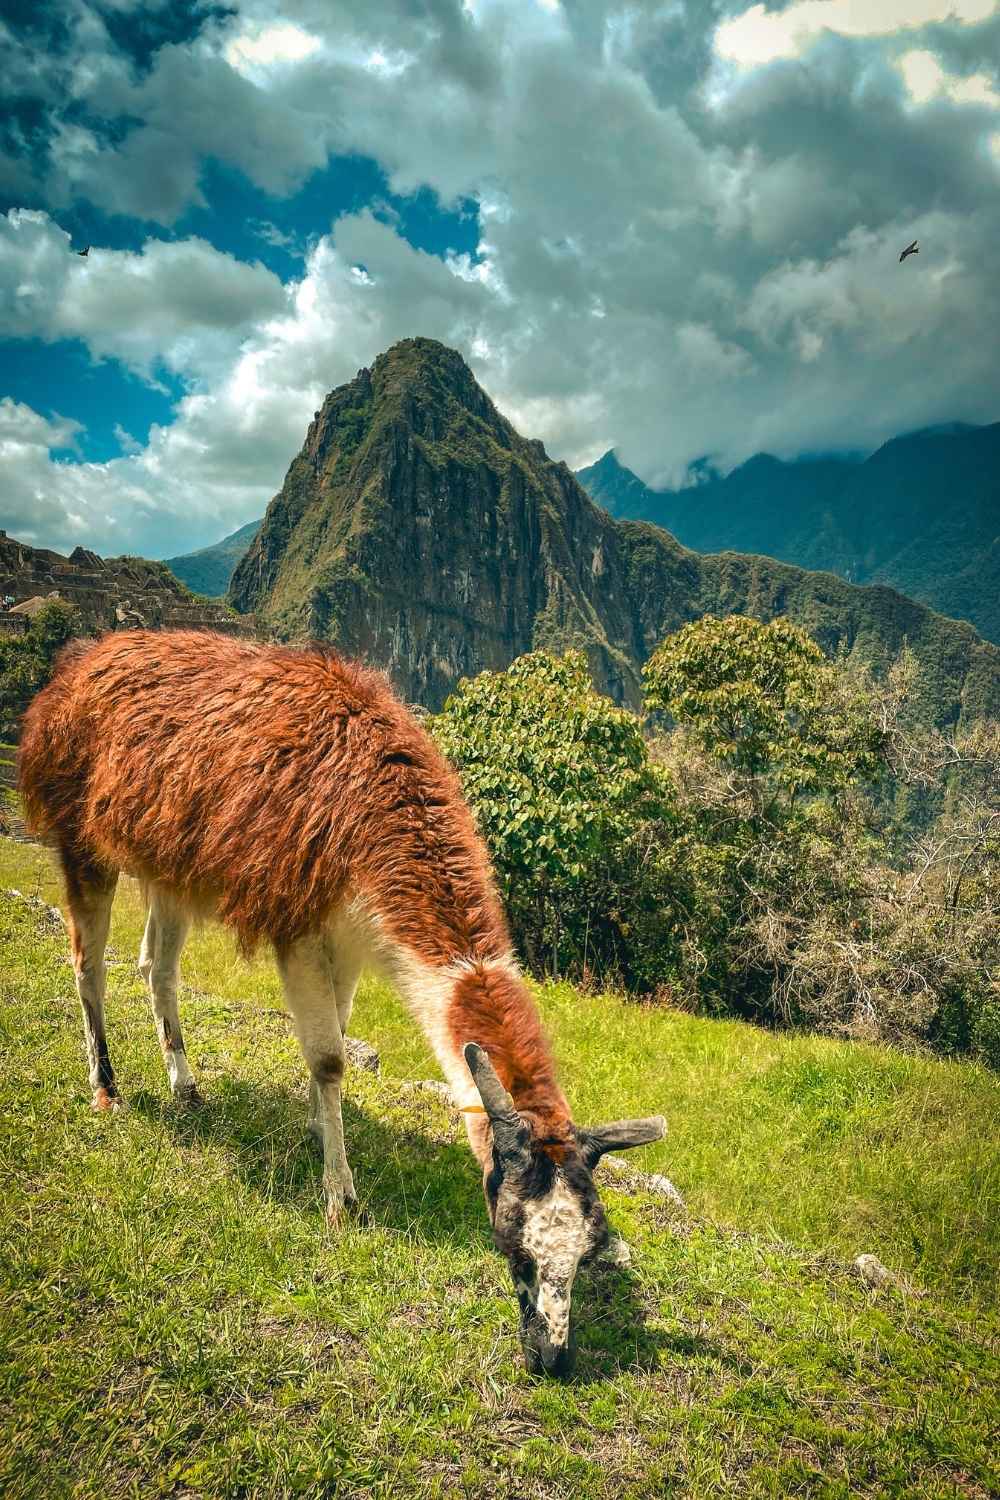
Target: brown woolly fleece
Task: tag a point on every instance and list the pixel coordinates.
(268, 786)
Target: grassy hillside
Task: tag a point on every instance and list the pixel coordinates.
(175, 1319)
(209, 570)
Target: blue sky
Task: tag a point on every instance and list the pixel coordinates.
(673, 228)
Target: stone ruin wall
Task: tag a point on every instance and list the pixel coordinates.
(119, 596)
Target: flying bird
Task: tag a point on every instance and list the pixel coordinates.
(84, 252)
(910, 250)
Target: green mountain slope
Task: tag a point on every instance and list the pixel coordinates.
(209, 570)
(922, 514)
(419, 529)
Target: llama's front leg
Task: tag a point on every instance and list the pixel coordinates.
(345, 972)
(159, 964)
(307, 974)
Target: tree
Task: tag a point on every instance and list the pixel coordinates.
(764, 701)
(770, 745)
(573, 811)
(26, 660)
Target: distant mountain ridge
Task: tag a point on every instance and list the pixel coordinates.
(922, 514)
(418, 529)
(209, 570)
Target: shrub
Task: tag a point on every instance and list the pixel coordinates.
(764, 701)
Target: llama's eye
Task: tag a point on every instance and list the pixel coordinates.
(525, 1277)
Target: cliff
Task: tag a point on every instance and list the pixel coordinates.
(418, 529)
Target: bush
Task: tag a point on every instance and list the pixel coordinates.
(578, 820)
(985, 1036)
(740, 860)
(780, 760)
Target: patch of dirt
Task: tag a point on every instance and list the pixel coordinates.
(47, 919)
(323, 1344)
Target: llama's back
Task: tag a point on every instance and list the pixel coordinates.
(259, 782)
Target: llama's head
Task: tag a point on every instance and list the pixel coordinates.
(547, 1217)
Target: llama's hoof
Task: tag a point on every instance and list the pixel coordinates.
(339, 1211)
(189, 1097)
(106, 1102)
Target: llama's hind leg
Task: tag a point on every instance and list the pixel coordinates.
(90, 891)
(308, 975)
(159, 964)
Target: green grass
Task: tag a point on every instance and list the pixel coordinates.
(175, 1318)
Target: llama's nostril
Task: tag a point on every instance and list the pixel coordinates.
(559, 1360)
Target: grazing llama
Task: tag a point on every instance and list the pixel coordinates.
(289, 794)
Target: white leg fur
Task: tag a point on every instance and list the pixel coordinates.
(309, 972)
(159, 964)
(345, 971)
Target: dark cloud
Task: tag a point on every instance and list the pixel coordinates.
(676, 254)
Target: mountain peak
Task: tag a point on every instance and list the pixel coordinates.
(417, 352)
(419, 530)
(758, 464)
(426, 369)
(608, 463)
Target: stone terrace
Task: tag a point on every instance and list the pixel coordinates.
(119, 593)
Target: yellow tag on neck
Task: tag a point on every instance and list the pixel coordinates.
(472, 1109)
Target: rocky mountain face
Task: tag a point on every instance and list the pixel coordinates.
(113, 593)
(418, 529)
(209, 570)
(922, 514)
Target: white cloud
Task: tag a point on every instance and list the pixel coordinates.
(126, 442)
(251, 52)
(272, 235)
(648, 276)
(926, 79)
(706, 356)
(761, 36)
(181, 304)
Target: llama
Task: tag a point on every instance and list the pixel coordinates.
(290, 795)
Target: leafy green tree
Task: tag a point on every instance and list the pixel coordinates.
(764, 701)
(26, 660)
(781, 760)
(574, 813)
(771, 745)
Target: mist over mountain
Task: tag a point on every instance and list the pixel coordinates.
(922, 513)
(417, 528)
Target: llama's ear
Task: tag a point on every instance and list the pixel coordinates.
(510, 1133)
(619, 1136)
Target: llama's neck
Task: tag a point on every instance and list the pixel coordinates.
(486, 1001)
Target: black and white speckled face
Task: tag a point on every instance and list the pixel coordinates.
(548, 1221)
(547, 1217)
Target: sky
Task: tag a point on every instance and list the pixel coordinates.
(668, 226)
